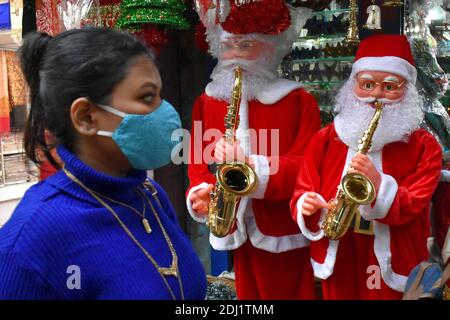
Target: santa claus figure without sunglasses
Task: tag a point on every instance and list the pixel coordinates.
(388, 237)
(277, 118)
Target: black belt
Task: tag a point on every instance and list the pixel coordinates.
(361, 225)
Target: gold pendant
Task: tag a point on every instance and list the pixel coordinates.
(146, 226)
(172, 271)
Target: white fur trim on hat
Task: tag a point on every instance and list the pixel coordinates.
(390, 64)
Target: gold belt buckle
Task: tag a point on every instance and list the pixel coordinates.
(362, 226)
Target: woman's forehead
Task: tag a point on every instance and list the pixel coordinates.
(143, 70)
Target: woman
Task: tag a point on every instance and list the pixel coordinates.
(97, 229)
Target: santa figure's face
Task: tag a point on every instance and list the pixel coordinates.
(243, 48)
(402, 112)
(255, 58)
(377, 85)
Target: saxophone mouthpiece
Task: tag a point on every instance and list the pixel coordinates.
(378, 104)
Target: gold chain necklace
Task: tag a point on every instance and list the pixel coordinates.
(173, 270)
(145, 223)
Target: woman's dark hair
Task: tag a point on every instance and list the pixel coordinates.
(77, 63)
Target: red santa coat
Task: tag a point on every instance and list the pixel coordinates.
(410, 172)
(292, 114)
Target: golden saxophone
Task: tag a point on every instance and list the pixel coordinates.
(355, 189)
(234, 179)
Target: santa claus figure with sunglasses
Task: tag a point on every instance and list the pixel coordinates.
(388, 237)
(277, 118)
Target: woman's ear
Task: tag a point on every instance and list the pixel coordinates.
(83, 115)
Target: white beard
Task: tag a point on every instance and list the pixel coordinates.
(254, 79)
(398, 119)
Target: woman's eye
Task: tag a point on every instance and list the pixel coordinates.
(148, 99)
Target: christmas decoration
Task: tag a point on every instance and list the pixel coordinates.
(200, 38)
(239, 20)
(153, 36)
(150, 19)
(74, 14)
(167, 13)
(374, 19)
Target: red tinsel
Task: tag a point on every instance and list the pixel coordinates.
(109, 2)
(262, 16)
(200, 37)
(153, 37)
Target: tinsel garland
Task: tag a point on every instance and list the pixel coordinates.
(200, 37)
(168, 17)
(252, 17)
(218, 290)
(108, 2)
(167, 4)
(109, 15)
(152, 36)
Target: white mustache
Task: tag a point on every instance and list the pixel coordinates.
(373, 99)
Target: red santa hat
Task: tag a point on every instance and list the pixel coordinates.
(257, 16)
(388, 53)
(270, 17)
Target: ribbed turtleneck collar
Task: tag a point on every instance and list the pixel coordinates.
(98, 181)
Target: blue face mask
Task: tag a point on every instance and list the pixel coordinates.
(145, 139)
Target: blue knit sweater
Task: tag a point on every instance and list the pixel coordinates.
(60, 243)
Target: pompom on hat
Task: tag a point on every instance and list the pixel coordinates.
(387, 53)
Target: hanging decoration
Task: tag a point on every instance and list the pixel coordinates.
(374, 18)
(168, 13)
(150, 19)
(73, 14)
(47, 19)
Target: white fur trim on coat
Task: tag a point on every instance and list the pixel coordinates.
(325, 269)
(271, 93)
(313, 236)
(271, 243)
(194, 215)
(382, 234)
(262, 171)
(389, 64)
(382, 240)
(382, 248)
(250, 230)
(276, 91)
(385, 196)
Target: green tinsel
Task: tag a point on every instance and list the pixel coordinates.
(168, 4)
(170, 18)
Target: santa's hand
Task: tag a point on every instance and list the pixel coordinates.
(228, 152)
(312, 203)
(362, 164)
(200, 199)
